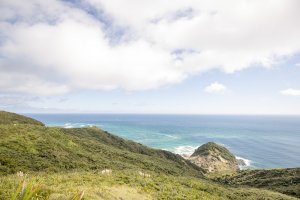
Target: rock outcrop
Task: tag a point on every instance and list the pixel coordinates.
(214, 158)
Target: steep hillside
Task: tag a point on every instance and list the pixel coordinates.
(39, 148)
(12, 118)
(286, 181)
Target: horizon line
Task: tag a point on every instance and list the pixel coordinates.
(107, 113)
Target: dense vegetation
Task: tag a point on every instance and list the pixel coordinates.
(39, 148)
(286, 181)
(12, 118)
(61, 163)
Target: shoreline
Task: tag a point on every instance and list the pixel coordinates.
(171, 141)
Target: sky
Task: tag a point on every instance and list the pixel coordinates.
(150, 56)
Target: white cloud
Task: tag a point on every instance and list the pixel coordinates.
(297, 64)
(52, 47)
(290, 92)
(215, 88)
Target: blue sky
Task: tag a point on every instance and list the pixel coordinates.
(182, 57)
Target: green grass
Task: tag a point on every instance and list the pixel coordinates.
(128, 184)
(27, 190)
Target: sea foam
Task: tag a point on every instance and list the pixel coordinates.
(185, 150)
(246, 161)
(68, 125)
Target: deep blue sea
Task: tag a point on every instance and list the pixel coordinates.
(263, 141)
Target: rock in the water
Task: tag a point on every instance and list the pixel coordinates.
(214, 158)
(241, 162)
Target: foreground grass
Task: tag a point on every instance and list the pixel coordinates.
(130, 185)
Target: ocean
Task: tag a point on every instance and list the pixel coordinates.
(262, 141)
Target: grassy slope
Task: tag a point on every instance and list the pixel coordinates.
(128, 184)
(286, 181)
(66, 161)
(39, 148)
(12, 118)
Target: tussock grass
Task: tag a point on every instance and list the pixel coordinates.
(129, 184)
(27, 189)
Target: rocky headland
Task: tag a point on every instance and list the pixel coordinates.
(215, 158)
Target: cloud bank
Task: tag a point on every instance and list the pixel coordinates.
(290, 92)
(53, 47)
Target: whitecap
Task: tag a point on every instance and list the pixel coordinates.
(247, 162)
(90, 125)
(171, 136)
(68, 125)
(185, 150)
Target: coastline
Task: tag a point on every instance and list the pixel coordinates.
(255, 139)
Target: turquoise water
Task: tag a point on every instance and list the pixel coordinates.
(265, 141)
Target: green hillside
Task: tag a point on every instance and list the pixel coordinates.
(61, 163)
(12, 118)
(286, 181)
(129, 185)
(39, 148)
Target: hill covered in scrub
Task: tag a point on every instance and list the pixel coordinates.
(93, 163)
(286, 181)
(13, 118)
(30, 147)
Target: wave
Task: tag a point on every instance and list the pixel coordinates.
(68, 125)
(171, 136)
(92, 125)
(244, 163)
(185, 150)
(78, 125)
